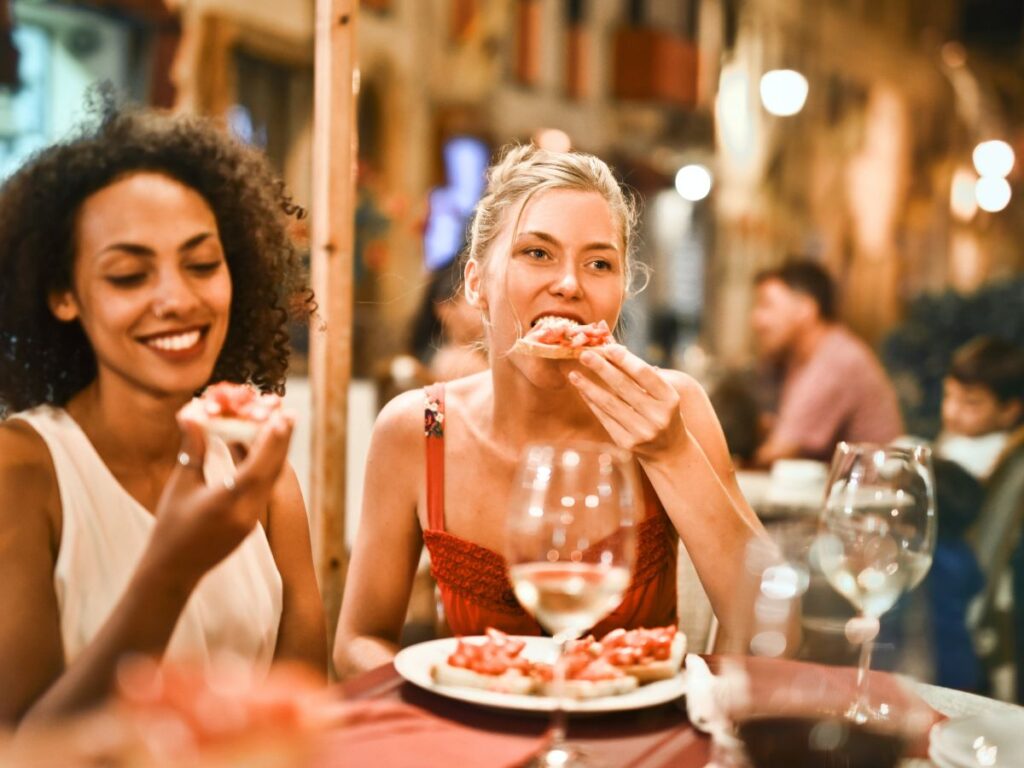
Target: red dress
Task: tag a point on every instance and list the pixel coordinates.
(473, 580)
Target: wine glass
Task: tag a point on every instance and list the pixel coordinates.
(877, 536)
(571, 544)
(776, 704)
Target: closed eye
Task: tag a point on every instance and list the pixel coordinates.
(126, 281)
(205, 267)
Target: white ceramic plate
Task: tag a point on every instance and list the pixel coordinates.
(991, 739)
(414, 664)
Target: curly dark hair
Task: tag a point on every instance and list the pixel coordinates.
(43, 360)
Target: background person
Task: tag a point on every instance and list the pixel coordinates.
(139, 260)
(447, 333)
(832, 386)
(982, 403)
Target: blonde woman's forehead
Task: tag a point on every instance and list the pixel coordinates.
(563, 213)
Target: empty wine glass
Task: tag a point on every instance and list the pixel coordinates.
(878, 535)
(570, 543)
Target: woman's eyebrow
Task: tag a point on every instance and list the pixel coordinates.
(599, 245)
(138, 249)
(195, 241)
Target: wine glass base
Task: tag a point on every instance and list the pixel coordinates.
(565, 755)
(862, 713)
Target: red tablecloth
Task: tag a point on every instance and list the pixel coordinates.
(650, 738)
(656, 737)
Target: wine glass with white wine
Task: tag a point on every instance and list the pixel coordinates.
(571, 545)
(878, 534)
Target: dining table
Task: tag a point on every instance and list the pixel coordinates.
(652, 737)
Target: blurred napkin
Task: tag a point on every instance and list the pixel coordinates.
(710, 698)
(392, 735)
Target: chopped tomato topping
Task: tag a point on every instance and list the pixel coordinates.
(561, 332)
(238, 401)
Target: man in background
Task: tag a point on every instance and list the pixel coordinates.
(832, 386)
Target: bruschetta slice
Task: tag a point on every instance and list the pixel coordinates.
(233, 412)
(559, 338)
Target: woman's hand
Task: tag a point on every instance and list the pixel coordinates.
(635, 404)
(197, 525)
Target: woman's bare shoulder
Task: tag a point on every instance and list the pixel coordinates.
(402, 416)
(22, 449)
(27, 475)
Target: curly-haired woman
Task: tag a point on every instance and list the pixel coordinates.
(140, 260)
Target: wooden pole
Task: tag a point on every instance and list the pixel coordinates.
(333, 211)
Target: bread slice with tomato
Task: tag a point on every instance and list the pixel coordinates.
(560, 338)
(233, 412)
(646, 654)
(587, 675)
(494, 664)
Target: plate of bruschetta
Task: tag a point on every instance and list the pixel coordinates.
(625, 669)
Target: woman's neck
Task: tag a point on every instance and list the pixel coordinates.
(126, 425)
(524, 411)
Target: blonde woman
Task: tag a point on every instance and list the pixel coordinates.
(551, 236)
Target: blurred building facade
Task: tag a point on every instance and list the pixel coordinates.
(870, 176)
(864, 177)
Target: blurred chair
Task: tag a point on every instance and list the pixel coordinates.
(995, 538)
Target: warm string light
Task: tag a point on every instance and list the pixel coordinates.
(784, 91)
(693, 182)
(993, 160)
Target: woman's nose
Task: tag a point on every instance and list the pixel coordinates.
(567, 284)
(174, 296)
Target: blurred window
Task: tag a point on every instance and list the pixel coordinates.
(465, 162)
(61, 52)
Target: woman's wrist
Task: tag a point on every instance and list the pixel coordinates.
(162, 581)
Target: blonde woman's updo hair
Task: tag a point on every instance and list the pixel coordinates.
(524, 171)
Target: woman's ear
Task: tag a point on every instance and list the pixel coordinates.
(473, 279)
(63, 306)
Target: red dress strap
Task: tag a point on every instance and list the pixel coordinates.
(433, 430)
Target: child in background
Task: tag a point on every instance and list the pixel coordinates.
(982, 404)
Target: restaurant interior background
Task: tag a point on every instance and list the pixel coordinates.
(751, 130)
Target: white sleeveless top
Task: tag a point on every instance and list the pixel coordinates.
(235, 608)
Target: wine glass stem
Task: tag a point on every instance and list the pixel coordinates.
(862, 707)
(557, 730)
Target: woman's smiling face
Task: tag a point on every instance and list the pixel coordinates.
(150, 284)
(564, 256)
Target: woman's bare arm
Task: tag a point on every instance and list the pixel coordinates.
(31, 652)
(667, 421)
(196, 527)
(387, 548)
(302, 635)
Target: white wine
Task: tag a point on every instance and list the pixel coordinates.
(867, 564)
(569, 596)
